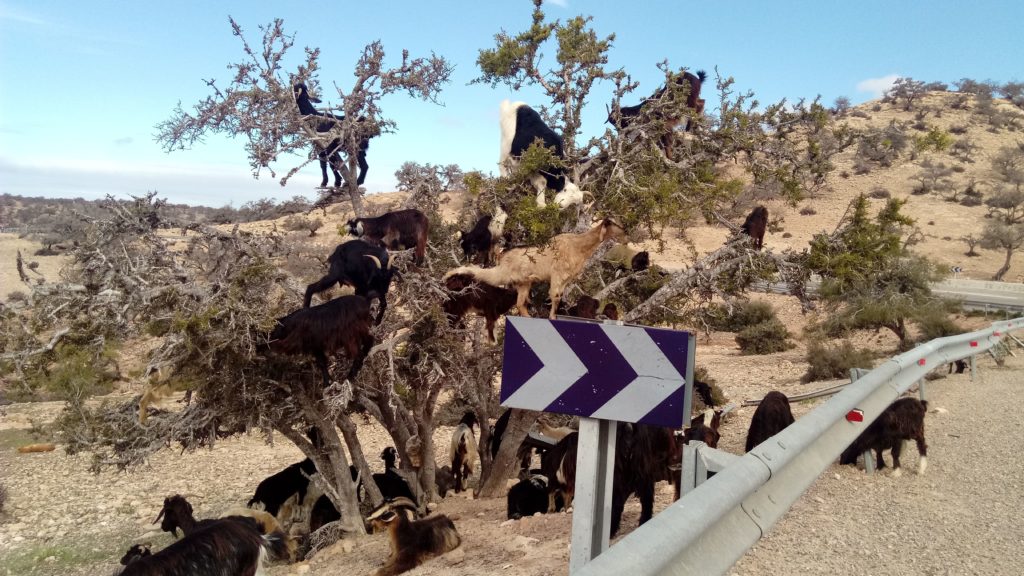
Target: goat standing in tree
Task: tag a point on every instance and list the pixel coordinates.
(330, 151)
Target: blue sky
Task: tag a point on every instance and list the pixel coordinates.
(83, 83)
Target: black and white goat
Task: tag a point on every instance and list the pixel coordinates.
(396, 230)
(329, 152)
(412, 541)
(529, 496)
(359, 264)
(902, 420)
(340, 324)
(483, 238)
(226, 547)
(559, 466)
(466, 296)
(520, 127)
(772, 416)
(135, 552)
(463, 450)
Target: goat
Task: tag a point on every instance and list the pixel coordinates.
(412, 541)
(467, 295)
(483, 238)
(330, 151)
(628, 114)
(611, 311)
(585, 307)
(903, 420)
(177, 513)
(771, 417)
(622, 257)
(558, 263)
(226, 547)
(559, 466)
(755, 225)
(960, 366)
(274, 490)
(390, 482)
(342, 323)
(444, 480)
(528, 497)
(524, 453)
(520, 127)
(556, 433)
(463, 450)
(135, 552)
(704, 432)
(396, 230)
(365, 267)
(322, 513)
(644, 455)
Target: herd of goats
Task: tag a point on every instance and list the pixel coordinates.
(289, 505)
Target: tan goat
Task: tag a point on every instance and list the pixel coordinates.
(559, 262)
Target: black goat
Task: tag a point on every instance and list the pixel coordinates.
(412, 541)
(641, 261)
(902, 420)
(227, 547)
(322, 513)
(390, 482)
(585, 307)
(365, 267)
(396, 230)
(177, 513)
(960, 366)
(274, 490)
(559, 465)
(340, 324)
(671, 117)
(467, 295)
(529, 496)
(771, 417)
(483, 238)
(755, 225)
(330, 151)
(444, 480)
(644, 455)
(135, 552)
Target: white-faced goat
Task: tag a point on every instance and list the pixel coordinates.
(412, 541)
(329, 151)
(227, 547)
(903, 420)
(359, 264)
(396, 230)
(483, 238)
(463, 450)
(520, 127)
(340, 324)
(558, 263)
(466, 296)
(771, 417)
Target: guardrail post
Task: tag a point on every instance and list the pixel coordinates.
(592, 503)
(972, 368)
(920, 390)
(869, 462)
(689, 474)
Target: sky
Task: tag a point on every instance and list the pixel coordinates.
(84, 83)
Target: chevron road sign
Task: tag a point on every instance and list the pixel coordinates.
(604, 371)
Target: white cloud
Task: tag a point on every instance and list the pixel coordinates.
(562, 3)
(15, 15)
(877, 86)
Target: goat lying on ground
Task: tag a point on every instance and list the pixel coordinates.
(559, 262)
(755, 225)
(412, 541)
(528, 497)
(340, 324)
(226, 547)
(467, 295)
(520, 127)
(463, 450)
(903, 420)
(483, 238)
(330, 151)
(135, 552)
(396, 230)
(771, 417)
(365, 267)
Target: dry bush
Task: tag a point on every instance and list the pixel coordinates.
(834, 361)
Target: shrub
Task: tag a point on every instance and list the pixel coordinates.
(970, 201)
(937, 324)
(764, 338)
(936, 139)
(787, 235)
(959, 129)
(808, 211)
(298, 223)
(17, 296)
(743, 315)
(827, 362)
(860, 114)
(701, 373)
(878, 193)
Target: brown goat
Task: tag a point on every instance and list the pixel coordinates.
(463, 450)
(396, 230)
(412, 541)
(340, 324)
(770, 418)
(558, 263)
(470, 296)
(585, 307)
(755, 225)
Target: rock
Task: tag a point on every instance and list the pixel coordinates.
(507, 522)
(456, 556)
(302, 569)
(347, 546)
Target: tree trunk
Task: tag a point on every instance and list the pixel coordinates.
(1006, 266)
(519, 424)
(348, 430)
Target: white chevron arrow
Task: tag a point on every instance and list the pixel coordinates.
(561, 367)
(656, 377)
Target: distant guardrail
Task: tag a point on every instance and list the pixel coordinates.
(711, 527)
(972, 294)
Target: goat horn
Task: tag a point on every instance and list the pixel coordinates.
(159, 516)
(375, 260)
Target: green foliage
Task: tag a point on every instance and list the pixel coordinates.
(936, 140)
(936, 323)
(76, 372)
(766, 337)
(884, 146)
(743, 315)
(828, 362)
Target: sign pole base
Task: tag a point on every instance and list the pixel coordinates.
(592, 504)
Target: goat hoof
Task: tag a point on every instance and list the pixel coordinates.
(922, 465)
(896, 473)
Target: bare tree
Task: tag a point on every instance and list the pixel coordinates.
(258, 104)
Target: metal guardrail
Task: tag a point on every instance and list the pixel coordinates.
(1001, 296)
(710, 528)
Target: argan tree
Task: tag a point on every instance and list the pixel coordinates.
(258, 105)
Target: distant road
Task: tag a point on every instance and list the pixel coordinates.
(974, 294)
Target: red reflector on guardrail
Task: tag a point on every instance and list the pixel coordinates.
(855, 415)
(920, 362)
(974, 343)
(997, 333)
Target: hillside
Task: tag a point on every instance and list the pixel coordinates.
(97, 516)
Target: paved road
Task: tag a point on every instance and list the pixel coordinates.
(962, 517)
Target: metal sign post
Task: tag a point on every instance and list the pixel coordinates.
(605, 374)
